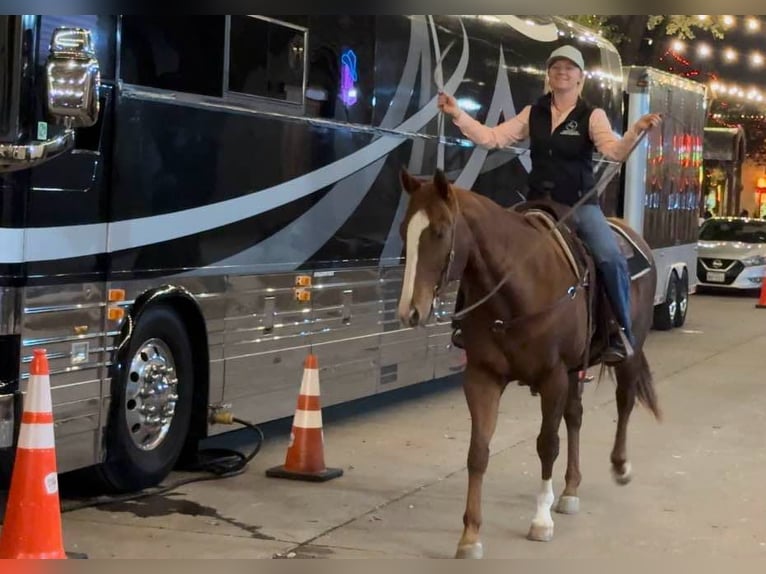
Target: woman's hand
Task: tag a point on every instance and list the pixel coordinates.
(647, 122)
(448, 104)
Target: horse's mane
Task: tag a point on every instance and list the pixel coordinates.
(489, 204)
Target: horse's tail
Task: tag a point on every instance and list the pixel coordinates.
(644, 382)
(636, 371)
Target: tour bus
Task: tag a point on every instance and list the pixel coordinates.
(192, 204)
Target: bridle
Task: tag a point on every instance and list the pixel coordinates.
(447, 269)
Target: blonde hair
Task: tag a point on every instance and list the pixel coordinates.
(547, 84)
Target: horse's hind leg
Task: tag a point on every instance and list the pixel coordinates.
(553, 399)
(626, 373)
(569, 502)
(482, 393)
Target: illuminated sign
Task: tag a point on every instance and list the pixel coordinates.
(348, 77)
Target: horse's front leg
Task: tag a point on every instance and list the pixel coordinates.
(569, 502)
(482, 393)
(553, 399)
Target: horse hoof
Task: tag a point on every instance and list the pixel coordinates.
(624, 477)
(540, 532)
(568, 505)
(473, 551)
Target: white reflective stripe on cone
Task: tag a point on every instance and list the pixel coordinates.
(308, 419)
(310, 383)
(36, 436)
(38, 399)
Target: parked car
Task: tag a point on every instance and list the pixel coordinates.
(731, 253)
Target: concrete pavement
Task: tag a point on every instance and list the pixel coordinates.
(696, 490)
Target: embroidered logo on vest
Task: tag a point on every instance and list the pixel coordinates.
(570, 129)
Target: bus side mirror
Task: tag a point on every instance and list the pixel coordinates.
(73, 79)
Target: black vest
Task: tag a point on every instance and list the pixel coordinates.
(562, 161)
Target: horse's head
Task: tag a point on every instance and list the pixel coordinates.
(429, 231)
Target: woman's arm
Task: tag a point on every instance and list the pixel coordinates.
(509, 132)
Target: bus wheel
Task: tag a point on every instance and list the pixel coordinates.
(665, 313)
(682, 299)
(151, 403)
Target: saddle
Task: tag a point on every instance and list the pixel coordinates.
(545, 215)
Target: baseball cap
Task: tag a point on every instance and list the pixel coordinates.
(569, 53)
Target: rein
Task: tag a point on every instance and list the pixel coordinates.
(607, 176)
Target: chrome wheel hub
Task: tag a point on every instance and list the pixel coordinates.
(672, 303)
(683, 304)
(151, 394)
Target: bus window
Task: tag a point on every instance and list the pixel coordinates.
(267, 58)
(179, 53)
(341, 62)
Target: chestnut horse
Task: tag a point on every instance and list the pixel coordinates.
(452, 233)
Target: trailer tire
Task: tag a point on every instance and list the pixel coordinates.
(682, 300)
(155, 375)
(665, 313)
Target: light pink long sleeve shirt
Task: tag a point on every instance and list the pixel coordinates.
(516, 129)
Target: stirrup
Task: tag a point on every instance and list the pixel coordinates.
(457, 338)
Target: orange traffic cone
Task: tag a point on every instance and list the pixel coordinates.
(762, 299)
(305, 453)
(32, 526)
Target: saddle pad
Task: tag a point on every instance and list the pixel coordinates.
(638, 262)
(550, 223)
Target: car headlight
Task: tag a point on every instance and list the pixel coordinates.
(754, 260)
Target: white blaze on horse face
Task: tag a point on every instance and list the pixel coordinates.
(418, 223)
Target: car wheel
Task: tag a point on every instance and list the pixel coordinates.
(151, 405)
(665, 313)
(682, 299)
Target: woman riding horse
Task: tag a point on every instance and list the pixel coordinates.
(563, 130)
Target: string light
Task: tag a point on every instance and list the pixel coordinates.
(726, 96)
(729, 55)
(719, 89)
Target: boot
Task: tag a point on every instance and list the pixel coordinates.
(619, 347)
(616, 282)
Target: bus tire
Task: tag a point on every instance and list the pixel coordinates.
(682, 300)
(665, 312)
(155, 381)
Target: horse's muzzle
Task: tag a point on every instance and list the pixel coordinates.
(409, 316)
(412, 318)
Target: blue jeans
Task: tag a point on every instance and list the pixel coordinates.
(596, 233)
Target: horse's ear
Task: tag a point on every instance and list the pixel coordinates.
(409, 183)
(442, 184)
